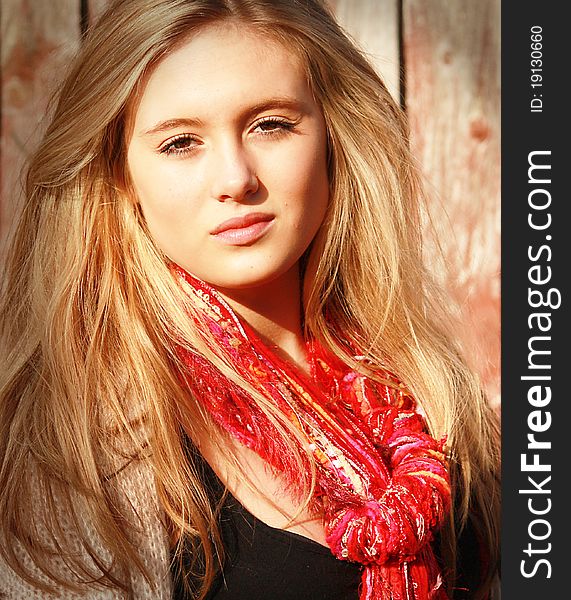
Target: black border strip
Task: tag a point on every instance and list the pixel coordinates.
(536, 517)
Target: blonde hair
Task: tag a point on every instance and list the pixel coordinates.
(85, 365)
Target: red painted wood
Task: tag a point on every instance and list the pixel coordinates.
(374, 25)
(452, 60)
(38, 39)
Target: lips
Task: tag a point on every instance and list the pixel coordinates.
(241, 222)
(243, 230)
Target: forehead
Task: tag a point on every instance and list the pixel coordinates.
(220, 68)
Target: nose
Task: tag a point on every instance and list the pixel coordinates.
(233, 174)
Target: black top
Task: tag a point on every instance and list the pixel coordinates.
(265, 563)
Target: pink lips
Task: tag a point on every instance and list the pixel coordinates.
(243, 230)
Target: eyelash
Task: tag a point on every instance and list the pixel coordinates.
(170, 146)
(281, 126)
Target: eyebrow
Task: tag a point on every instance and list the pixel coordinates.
(278, 102)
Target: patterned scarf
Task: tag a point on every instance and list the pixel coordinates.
(382, 481)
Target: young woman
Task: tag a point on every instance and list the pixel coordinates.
(225, 371)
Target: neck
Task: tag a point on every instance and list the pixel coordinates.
(273, 310)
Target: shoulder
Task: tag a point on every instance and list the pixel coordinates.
(139, 502)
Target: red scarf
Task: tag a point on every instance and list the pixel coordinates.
(382, 481)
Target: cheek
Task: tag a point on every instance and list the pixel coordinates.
(159, 189)
(165, 206)
(311, 194)
(154, 188)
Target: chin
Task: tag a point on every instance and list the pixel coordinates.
(243, 277)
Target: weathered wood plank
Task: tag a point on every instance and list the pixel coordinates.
(452, 61)
(95, 8)
(38, 39)
(374, 25)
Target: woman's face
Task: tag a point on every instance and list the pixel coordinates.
(228, 157)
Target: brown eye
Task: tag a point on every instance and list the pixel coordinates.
(181, 144)
(273, 125)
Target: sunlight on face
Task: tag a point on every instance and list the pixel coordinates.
(228, 157)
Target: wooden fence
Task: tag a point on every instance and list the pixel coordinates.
(439, 57)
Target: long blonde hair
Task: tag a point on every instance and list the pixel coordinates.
(90, 312)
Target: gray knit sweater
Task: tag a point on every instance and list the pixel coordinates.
(139, 491)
